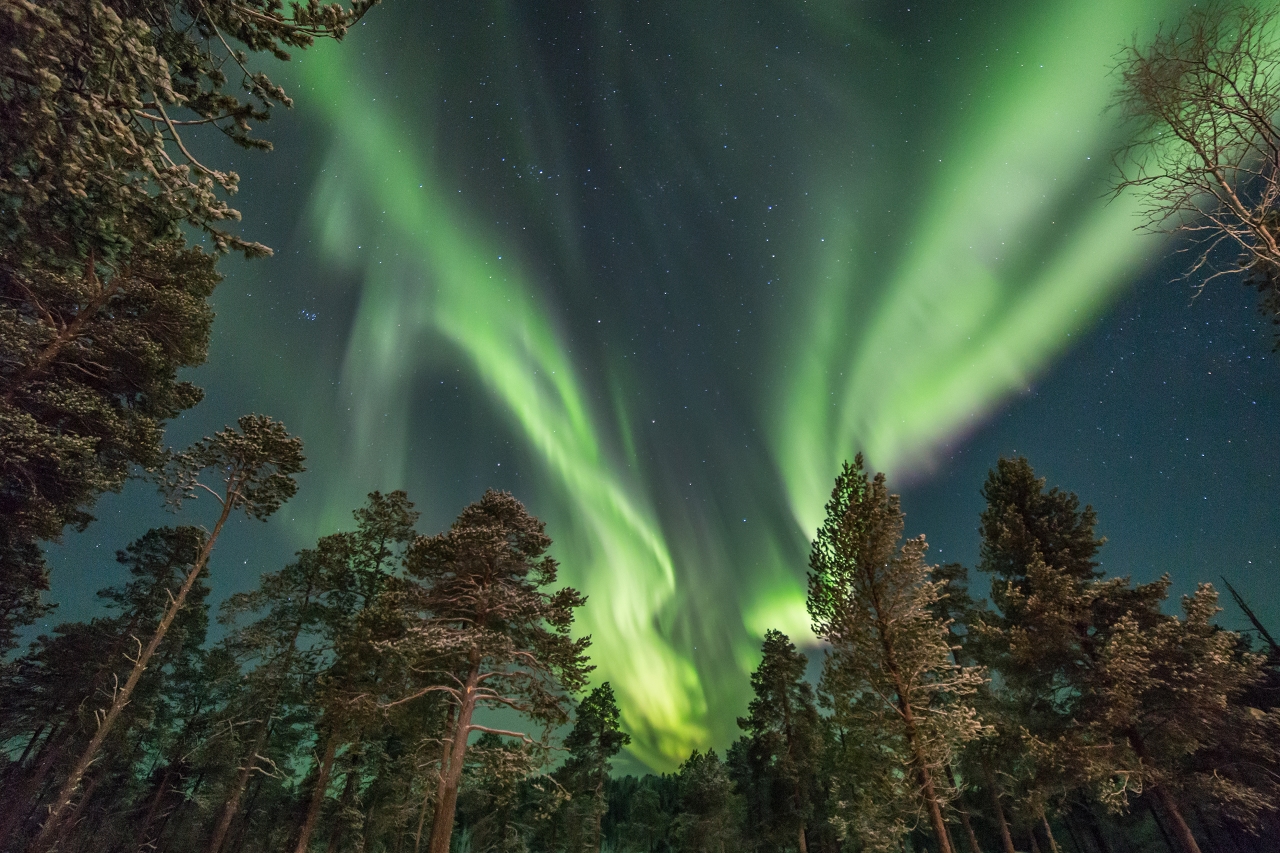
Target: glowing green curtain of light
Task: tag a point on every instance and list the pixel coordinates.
(1016, 248)
(430, 273)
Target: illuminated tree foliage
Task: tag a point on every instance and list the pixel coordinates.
(253, 468)
(485, 632)
(889, 677)
(102, 300)
(1101, 691)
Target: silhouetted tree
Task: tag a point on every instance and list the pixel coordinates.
(776, 763)
(596, 737)
(1202, 99)
(710, 810)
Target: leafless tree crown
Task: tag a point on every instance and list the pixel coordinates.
(1201, 100)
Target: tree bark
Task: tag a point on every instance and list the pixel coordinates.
(66, 334)
(232, 806)
(317, 794)
(450, 776)
(1048, 832)
(247, 817)
(73, 819)
(1076, 844)
(348, 791)
(140, 838)
(1099, 835)
(970, 836)
(1181, 831)
(997, 810)
(121, 697)
(918, 758)
(926, 786)
(1164, 834)
(16, 767)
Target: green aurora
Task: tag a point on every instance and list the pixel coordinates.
(894, 229)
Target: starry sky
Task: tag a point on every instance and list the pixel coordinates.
(657, 268)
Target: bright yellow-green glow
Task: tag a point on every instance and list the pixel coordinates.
(431, 274)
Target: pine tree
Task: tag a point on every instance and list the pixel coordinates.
(1111, 693)
(710, 813)
(102, 299)
(889, 676)
(776, 765)
(356, 569)
(483, 632)
(596, 738)
(61, 681)
(254, 469)
(1164, 687)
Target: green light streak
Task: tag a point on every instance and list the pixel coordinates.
(430, 274)
(1015, 249)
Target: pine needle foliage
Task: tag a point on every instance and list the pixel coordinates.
(889, 676)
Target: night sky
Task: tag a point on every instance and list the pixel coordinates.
(657, 268)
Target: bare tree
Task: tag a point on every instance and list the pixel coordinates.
(1202, 99)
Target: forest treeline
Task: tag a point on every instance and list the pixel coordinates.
(393, 691)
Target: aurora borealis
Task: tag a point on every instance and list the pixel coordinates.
(658, 268)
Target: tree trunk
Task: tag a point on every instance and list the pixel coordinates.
(140, 838)
(446, 749)
(15, 768)
(27, 791)
(232, 806)
(447, 799)
(72, 819)
(1164, 834)
(121, 697)
(1181, 832)
(1212, 839)
(1048, 832)
(248, 816)
(972, 838)
(927, 789)
(422, 817)
(66, 334)
(317, 795)
(348, 791)
(997, 810)
(1076, 843)
(930, 794)
(1099, 835)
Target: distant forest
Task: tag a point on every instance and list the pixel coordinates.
(393, 690)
